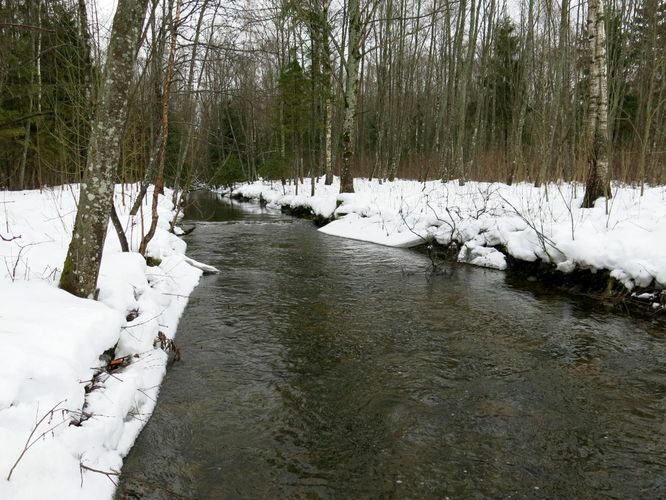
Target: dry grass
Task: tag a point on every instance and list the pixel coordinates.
(494, 166)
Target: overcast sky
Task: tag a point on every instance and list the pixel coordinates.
(105, 10)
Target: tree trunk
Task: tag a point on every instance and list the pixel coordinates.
(462, 99)
(351, 85)
(598, 184)
(516, 146)
(81, 267)
(328, 140)
(115, 220)
(327, 79)
(159, 180)
(191, 109)
(149, 173)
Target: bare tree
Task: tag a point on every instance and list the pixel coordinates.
(81, 267)
(164, 120)
(597, 120)
(352, 63)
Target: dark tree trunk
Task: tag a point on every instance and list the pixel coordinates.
(115, 220)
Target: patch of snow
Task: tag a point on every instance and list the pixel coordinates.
(52, 342)
(482, 256)
(525, 222)
(199, 265)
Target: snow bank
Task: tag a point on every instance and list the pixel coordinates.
(490, 221)
(52, 341)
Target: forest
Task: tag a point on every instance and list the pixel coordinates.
(223, 92)
(478, 313)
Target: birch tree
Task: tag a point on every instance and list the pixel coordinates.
(81, 267)
(351, 87)
(597, 120)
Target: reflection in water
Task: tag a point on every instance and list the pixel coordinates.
(322, 367)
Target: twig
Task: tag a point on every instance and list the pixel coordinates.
(27, 27)
(28, 444)
(146, 394)
(543, 239)
(108, 474)
(126, 327)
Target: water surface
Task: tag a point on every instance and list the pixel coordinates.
(318, 367)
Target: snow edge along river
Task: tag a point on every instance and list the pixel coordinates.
(490, 223)
(66, 424)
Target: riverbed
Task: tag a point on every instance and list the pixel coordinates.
(320, 367)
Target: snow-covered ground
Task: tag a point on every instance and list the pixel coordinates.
(64, 435)
(487, 221)
(64, 431)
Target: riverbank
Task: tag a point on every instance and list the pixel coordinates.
(80, 378)
(615, 248)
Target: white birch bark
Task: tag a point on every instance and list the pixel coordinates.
(597, 121)
(351, 86)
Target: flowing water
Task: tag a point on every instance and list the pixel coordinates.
(319, 367)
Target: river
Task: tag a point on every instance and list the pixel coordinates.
(319, 367)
